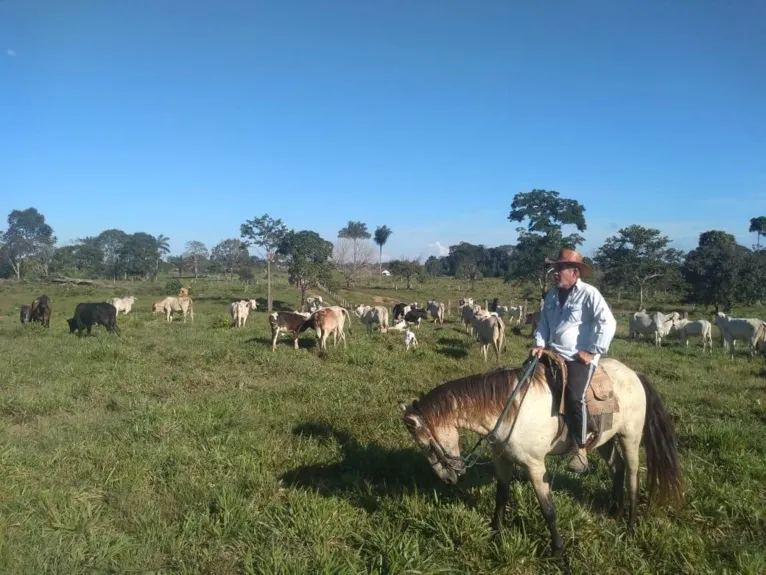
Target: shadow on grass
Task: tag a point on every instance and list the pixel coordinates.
(368, 472)
(303, 342)
(456, 348)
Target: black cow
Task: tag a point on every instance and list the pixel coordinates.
(41, 310)
(86, 315)
(493, 305)
(416, 316)
(26, 314)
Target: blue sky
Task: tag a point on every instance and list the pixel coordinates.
(186, 118)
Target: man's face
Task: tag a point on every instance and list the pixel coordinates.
(565, 275)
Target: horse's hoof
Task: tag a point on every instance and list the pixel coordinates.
(557, 548)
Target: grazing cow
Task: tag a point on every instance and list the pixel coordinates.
(732, 329)
(436, 310)
(700, 327)
(514, 313)
(25, 315)
(41, 310)
(287, 322)
(410, 340)
(493, 305)
(416, 316)
(183, 292)
(240, 310)
(313, 303)
(490, 330)
(86, 315)
(324, 322)
(371, 315)
(123, 304)
(170, 304)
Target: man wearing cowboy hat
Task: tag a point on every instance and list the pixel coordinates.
(576, 323)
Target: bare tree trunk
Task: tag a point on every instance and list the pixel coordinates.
(268, 285)
(641, 297)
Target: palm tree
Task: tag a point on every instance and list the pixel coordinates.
(163, 247)
(382, 233)
(355, 231)
(758, 225)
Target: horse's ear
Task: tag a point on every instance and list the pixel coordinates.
(412, 421)
(403, 406)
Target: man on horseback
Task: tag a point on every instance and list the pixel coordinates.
(576, 323)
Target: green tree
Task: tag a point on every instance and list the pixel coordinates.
(465, 261)
(355, 231)
(111, 243)
(308, 255)
(138, 255)
(434, 266)
(267, 234)
(758, 226)
(382, 233)
(408, 269)
(633, 257)
(163, 248)
(545, 213)
(713, 269)
(26, 237)
(196, 253)
(230, 255)
(179, 263)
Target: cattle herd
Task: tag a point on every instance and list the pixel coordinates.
(487, 324)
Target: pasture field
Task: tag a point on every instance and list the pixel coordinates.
(192, 448)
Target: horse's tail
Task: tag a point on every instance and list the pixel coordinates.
(663, 466)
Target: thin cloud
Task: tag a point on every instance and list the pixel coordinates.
(10, 52)
(439, 249)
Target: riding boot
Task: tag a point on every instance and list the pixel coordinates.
(579, 461)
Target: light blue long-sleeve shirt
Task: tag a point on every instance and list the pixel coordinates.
(583, 323)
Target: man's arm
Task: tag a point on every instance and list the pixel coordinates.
(604, 325)
(543, 330)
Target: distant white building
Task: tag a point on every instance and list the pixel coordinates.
(385, 273)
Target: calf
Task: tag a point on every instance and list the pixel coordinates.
(25, 315)
(371, 315)
(436, 310)
(410, 340)
(700, 327)
(240, 310)
(416, 316)
(490, 330)
(86, 315)
(41, 310)
(170, 304)
(123, 304)
(286, 321)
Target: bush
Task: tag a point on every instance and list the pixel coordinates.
(172, 287)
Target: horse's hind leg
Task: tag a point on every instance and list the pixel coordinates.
(612, 456)
(630, 447)
(541, 482)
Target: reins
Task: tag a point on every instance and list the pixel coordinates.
(466, 461)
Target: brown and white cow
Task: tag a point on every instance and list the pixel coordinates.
(286, 322)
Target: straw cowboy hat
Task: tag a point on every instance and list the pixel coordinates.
(571, 257)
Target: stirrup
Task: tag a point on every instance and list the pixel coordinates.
(578, 463)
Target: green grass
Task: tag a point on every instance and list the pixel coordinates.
(192, 448)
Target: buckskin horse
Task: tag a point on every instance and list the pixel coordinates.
(517, 412)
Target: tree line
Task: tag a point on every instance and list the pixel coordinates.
(718, 272)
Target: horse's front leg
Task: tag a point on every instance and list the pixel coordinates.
(503, 475)
(541, 482)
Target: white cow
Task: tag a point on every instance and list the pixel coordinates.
(371, 315)
(657, 324)
(240, 310)
(123, 304)
(701, 327)
(314, 303)
(400, 325)
(436, 310)
(171, 304)
(490, 330)
(732, 329)
(514, 313)
(410, 340)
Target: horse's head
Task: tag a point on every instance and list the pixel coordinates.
(439, 443)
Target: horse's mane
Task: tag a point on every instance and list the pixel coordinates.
(475, 396)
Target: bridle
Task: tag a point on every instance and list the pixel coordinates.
(461, 463)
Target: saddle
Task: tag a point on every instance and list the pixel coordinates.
(599, 395)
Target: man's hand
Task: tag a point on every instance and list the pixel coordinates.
(536, 352)
(585, 356)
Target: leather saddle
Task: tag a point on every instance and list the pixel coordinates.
(599, 396)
